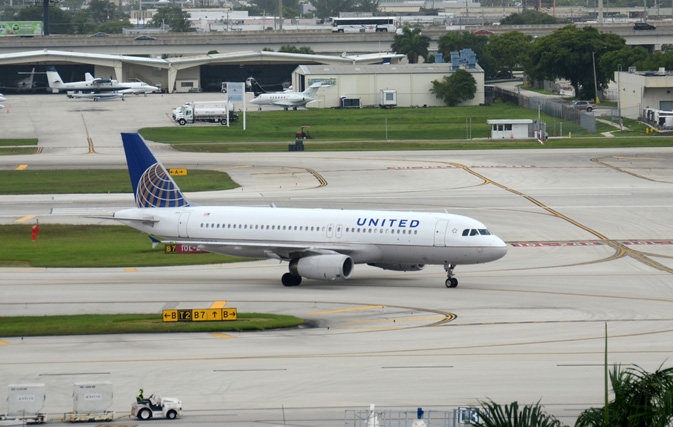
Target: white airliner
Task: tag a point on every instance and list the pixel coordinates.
(288, 99)
(96, 85)
(320, 244)
(135, 88)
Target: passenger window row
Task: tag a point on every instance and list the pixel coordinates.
(261, 227)
(306, 228)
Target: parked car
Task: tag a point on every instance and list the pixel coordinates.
(643, 26)
(583, 105)
(144, 37)
(98, 34)
(485, 32)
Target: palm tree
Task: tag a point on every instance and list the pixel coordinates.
(495, 415)
(412, 44)
(642, 399)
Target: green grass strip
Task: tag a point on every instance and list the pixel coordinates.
(11, 142)
(316, 146)
(367, 124)
(61, 245)
(30, 181)
(87, 324)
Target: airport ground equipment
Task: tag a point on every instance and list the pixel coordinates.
(157, 407)
(205, 111)
(297, 146)
(91, 402)
(304, 133)
(25, 403)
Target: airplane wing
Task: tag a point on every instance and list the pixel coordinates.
(284, 251)
(286, 102)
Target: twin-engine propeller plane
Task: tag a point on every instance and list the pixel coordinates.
(319, 244)
(92, 88)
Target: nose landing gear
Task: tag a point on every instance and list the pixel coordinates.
(451, 282)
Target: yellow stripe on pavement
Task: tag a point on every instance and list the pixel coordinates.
(347, 309)
(25, 218)
(220, 335)
(21, 167)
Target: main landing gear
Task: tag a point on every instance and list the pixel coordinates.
(451, 282)
(290, 279)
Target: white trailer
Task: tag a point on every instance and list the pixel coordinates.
(91, 402)
(25, 403)
(205, 111)
(388, 98)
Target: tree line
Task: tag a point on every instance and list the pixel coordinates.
(568, 53)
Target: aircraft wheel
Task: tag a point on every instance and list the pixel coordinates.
(95, 100)
(451, 283)
(290, 280)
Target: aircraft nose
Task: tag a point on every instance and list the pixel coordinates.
(498, 248)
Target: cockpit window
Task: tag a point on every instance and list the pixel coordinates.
(484, 232)
(466, 232)
(474, 232)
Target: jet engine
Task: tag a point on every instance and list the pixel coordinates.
(323, 267)
(399, 267)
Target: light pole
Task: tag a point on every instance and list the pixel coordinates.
(619, 97)
(593, 56)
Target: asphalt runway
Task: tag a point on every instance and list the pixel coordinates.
(590, 247)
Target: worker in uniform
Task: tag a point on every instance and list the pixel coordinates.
(140, 396)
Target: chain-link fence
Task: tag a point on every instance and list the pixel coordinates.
(550, 107)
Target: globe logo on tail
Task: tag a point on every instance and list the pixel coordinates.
(156, 189)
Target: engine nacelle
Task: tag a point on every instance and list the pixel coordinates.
(399, 267)
(323, 267)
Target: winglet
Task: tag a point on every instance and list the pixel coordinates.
(153, 187)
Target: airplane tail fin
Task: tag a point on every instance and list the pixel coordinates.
(312, 90)
(53, 78)
(153, 187)
(88, 77)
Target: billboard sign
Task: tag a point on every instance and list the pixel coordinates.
(20, 28)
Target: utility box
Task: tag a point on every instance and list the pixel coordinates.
(25, 402)
(91, 402)
(297, 146)
(388, 98)
(350, 102)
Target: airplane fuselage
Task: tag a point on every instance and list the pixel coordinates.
(366, 236)
(281, 99)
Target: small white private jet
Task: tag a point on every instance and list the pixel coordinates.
(288, 99)
(318, 244)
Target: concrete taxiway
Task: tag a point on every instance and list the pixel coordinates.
(590, 246)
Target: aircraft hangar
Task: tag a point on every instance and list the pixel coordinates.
(24, 71)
